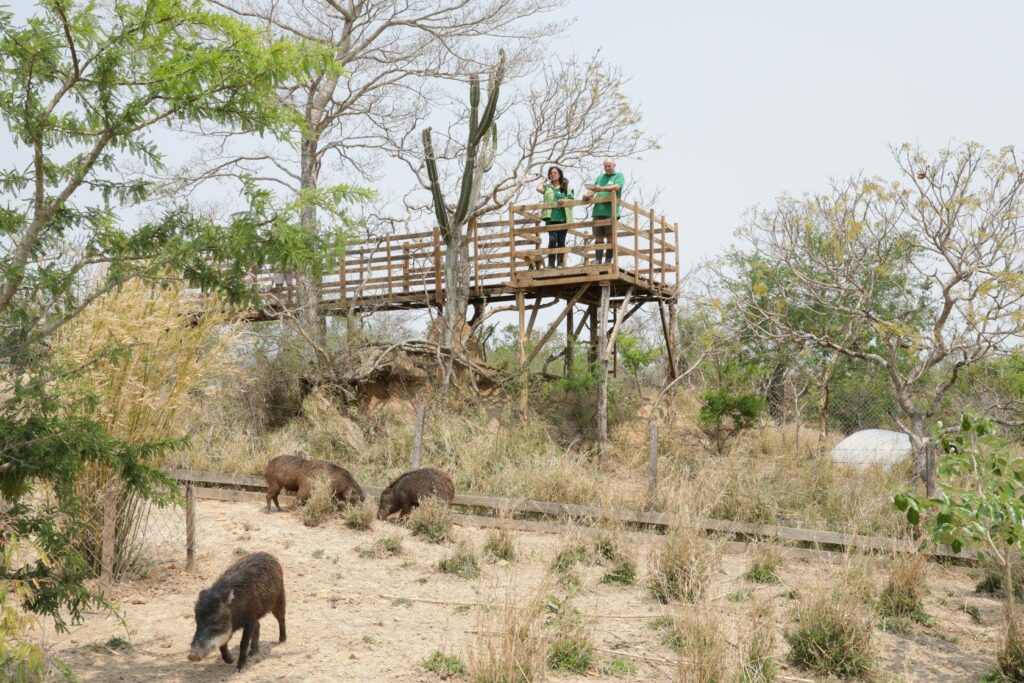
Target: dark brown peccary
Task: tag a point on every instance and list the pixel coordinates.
(244, 593)
(294, 473)
(406, 492)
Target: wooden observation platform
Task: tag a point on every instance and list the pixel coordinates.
(507, 260)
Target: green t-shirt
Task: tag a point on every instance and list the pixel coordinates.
(605, 210)
(552, 194)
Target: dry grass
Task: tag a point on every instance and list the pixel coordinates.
(683, 565)
(500, 545)
(903, 594)
(757, 661)
(703, 651)
(764, 566)
(1010, 658)
(431, 520)
(321, 506)
(571, 646)
(462, 561)
(141, 367)
(832, 635)
(511, 644)
(361, 516)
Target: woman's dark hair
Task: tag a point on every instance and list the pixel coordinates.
(563, 184)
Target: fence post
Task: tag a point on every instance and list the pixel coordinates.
(107, 533)
(190, 526)
(929, 470)
(652, 468)
(417, 441)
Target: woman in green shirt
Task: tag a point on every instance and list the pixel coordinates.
(556, 188)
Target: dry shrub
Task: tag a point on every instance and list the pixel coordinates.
(432, 521)
(1010, 658)
(462, 561)
(360, 516)
(330, 433)
(500, 545)
(703, 653)
(142, 363)
(511, 644)
(320, 506)
(764, 567)
(571, 647)
(383, 547)
(757, 664)
(832, 635)
(903, 594)
(684, 564)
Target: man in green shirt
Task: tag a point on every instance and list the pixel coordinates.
(606, 183)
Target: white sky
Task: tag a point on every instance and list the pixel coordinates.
(754, 98)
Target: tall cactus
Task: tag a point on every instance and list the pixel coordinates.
(479, 158)
(480, 153)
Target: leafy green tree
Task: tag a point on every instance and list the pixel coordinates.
(980, 507)
(636, 355)
(724, 414)
(83, 88)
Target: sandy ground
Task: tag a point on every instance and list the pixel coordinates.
(345, 624)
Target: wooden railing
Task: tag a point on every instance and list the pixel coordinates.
(643, 245)
(408, 268)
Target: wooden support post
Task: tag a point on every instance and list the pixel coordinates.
(437, 265)
(107, 533)
(664, 239)
(636, 241)
(511, 245)
(614, 233)
(650, 247)
(476, 253)
(569, 341)
(592, 342)
(524, 378)
(675, 252)
(417, 439)
(652, 468)
(558, 321)
(667, 330)
(405, 268)
(388, 247)
(602, 386)
(190, 526)
(343, 282)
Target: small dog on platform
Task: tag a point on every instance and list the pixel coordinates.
(534, 261)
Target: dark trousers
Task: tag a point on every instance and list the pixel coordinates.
(601, 236)
(556, 240)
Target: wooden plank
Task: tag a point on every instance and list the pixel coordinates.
(555, 324)
(619, 318)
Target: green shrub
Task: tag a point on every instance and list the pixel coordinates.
(832, 636)
(765, 566)
(445, 666)
(500, 546)
(462, 562)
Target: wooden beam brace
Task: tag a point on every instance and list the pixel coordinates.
(554, 325)
(533, 316)
(619, 318)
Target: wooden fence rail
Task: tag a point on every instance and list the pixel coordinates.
(657, 521)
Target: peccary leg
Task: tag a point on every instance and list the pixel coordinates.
(243, 649)
(225, 654)
(255, 647)
(279, 615)
(272, 492)
(406, 508)
(302, 495)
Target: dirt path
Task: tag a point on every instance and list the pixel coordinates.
(341, 628)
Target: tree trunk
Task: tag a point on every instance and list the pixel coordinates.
(823, 400)
(456, 297)
(919, 444)
(310, 284)
(775, 393)
(602, 370)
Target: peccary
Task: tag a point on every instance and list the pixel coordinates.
(406, 492)
(294, 473)
(245, 592)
